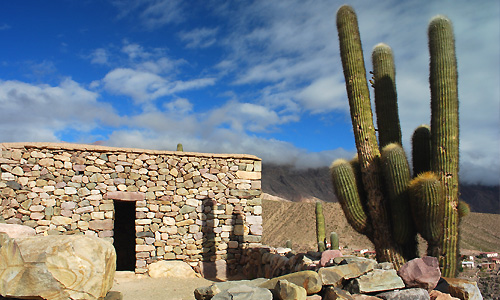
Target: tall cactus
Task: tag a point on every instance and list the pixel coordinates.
(351, 53)
(381, 206)
(444, 132)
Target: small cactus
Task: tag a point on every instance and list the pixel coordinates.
(179, 147)
(288, 244)
(320, 227)
(334, 241)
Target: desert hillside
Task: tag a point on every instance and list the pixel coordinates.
(296, 221)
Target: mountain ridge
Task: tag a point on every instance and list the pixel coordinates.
(301, 185)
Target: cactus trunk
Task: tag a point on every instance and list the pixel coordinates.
(445, 132)
(364, 133)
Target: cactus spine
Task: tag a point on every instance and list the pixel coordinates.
(320, 227)
(382, 212)
(444, 132)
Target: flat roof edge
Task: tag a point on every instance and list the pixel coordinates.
(100, 148)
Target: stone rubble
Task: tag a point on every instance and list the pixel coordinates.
(348, 277)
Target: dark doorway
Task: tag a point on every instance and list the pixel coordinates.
(124, 235)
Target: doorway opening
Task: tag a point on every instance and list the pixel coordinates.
(124, 235)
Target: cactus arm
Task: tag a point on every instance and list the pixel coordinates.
(445, 132)
(345, 187)
(397, 177)
(386, 105)
(421, 149)
(426, 201)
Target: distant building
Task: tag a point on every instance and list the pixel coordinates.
(489, 254)
(468, 264)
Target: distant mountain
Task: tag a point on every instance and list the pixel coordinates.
(299, 185)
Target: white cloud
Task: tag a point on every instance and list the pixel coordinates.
(4, 27)
(140, 86)
(324, 94)
(151, 13)
(199, 38)
(180, 106)
(135, 51)
(145, 86)
(99, 56)
(37, 112)
(244, 116)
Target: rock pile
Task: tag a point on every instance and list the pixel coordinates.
(344, 278)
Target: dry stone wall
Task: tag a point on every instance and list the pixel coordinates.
(188, 206)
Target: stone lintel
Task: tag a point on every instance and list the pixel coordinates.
(125, 196)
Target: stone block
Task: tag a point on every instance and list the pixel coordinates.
(248, 175)
(171, 268)
(16, 231)
(309, 280)
(244, 292)
(421, 272)
(376, 281)
(287, 290)
(125, 196)
(406, 294)
(464, 289)
(101, 224)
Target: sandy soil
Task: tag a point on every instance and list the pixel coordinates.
(137, 288)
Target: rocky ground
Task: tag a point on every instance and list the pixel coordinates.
(489, 285)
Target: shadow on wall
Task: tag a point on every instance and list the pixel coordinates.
(222, 238)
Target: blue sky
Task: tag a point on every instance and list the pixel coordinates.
(256, 77)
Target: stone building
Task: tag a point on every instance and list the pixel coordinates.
(153, 205)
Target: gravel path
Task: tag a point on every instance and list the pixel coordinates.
(137, 288)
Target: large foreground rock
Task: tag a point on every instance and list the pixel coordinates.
(56, 267)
